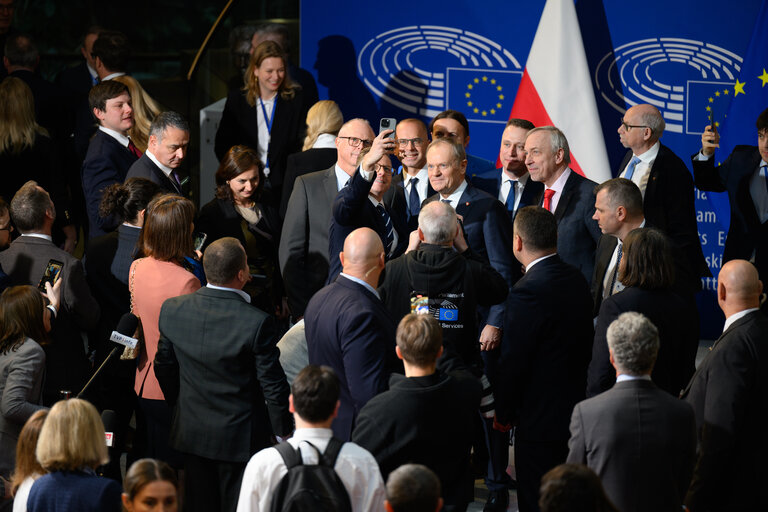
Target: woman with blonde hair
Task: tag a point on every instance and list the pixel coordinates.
(150, 485)
(323, 119)
(28, 468)
(267, 115)
(144, 111)
(71, 446)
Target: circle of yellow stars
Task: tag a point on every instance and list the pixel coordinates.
(471, 104)
(738, 88)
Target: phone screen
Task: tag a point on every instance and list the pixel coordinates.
(51, 274)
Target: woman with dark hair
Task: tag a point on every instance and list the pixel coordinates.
(150, 485)
(268, 115)
(28, 468)
(647, 272)
(239, 212)
(25, 322)
(573, 488)
(165, 244)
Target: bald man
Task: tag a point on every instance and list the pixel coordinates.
(729, 395)
(349, 329)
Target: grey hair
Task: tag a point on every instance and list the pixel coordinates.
(652, 118)
(457, 150)
(634, 341)
(557, 141)
(167, 119)
(437, 221)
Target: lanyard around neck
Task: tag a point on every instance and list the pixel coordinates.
(268, 120)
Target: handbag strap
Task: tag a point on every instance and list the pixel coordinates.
(131, 280)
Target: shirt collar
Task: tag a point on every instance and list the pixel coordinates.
(119, 137)
(325, 140)
(226, 289)
(166, 170)
(362, 283)
(39, 235)
(456, 196)
(623, 377)
(534, 262)
(521, 180)
(341, 177)
(737, 316)
(113, 75)
(422, 175)
(91, 71)
(310, 434)
(559, 185)
(650, 155)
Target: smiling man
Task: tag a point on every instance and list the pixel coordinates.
(168, 143)
(110, 152)
(412, 142)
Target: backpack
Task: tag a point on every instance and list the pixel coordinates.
(310, 487)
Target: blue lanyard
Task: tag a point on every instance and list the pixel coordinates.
(268, 119)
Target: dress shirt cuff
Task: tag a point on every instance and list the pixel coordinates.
(701, 157)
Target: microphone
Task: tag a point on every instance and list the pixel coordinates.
(109, 418)
(123, 335)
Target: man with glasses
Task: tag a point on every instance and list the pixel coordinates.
(304, 241)
(412, 142)
(667, 188)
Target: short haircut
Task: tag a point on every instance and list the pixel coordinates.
(113, 50)
(277, 29)
(315, 392)
(520, 123)
(72, 437)
(623, 192)
(537, 228)
(634, 341)
(647, 260)
(167, 119)
(354, 120)
(166, 235)
(573, 488)
(27, 464)
(104, 91)
(762, 121)
(234, 163)
(457, 150)
(652, 118)
(145, 471)
(126, 200)
(21, 50)
(28, 207)
(438, 221)
(557, 140)
(413, 488)
(419, 338)
(223, 259)
(451, 114)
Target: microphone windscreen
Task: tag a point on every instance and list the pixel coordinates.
(127, 324)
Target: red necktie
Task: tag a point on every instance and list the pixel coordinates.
(547, 204)
(133, 149)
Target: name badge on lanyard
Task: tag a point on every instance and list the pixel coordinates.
(268, 120)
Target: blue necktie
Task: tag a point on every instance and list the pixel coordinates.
(764, 173)
(413, 199)
(510, 202)
(388, 228)
(631, 167)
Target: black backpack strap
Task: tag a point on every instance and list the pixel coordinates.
(332, 452)
(291, 457)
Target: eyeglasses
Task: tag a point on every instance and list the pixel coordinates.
(385, 168)
(355, 142)
(628, 126)
(403, 143)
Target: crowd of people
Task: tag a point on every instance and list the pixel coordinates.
(356, 308)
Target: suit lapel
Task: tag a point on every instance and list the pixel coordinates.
(567, 195)
(329, 184)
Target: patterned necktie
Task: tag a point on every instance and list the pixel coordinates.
(764, 173)
(631, 167)
(388, 228)
(547, 204)
(133, 149)
(510, 202)
(413, 199)
(615, 270)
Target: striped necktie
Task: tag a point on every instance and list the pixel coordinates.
(387, 227)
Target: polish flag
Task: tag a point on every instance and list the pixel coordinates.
(556, 89)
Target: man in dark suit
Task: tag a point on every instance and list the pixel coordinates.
(426, 416)
(303, 248)
(78, 80)
(412, 142)
(729, 395)
(25, 261)
(545, 352)
(349, 329)
(667, 188)
(110, 152)
(219, 368)
(567, 194)
(166, 150)
(110, 54)
(635, 436)
(743, 176)
(512, 186)
(361, 204)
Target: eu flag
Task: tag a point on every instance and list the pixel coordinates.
(483, 94)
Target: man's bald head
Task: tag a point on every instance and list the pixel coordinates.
(362, 252)
(741, 284)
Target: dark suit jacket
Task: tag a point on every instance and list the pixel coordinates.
(745, 233)
(106, 162)
(577, 231)
(349, 329)
(424, 420)
(669, 205)
(545, 351)
(605, 247)
(299, 164)
(76, 82)
(146, 168)
(398, 182)
(218, 364)
(531, 191)
(351, 210)
(67, 368)
(304, 240)
(640, 441)
(729, 395)
(488, 232)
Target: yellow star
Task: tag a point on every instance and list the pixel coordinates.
(725, 91)
(717, 93)
(493, 80)
(498, 105)
(493, 111)
(501, 96)
(717, 123)
(469, 103)
(485, 113)
(711, 100)
(764, 77)
(709, 108)
(469, 86)
(738, 88)
(485, 79)
(467, 94)
(477, 80)
(475, 110)
(498, 87)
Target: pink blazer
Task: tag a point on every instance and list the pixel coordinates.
(154, 282)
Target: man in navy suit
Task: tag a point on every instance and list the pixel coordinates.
(743, 175)
(545, 352)
(166, 150)
(349, 329)
(110, 153)
(412, 141)
(567, 194)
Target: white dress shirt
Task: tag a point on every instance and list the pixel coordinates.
(166, 170)
(558, 187)
(736, 316)
(456, 196)
(421, 186)
(341, 177)
(261, 123)
(226, 289)
(643, 168)
(119, 137)
(325, 141)
(519, 185)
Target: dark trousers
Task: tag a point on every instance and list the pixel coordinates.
(211, 485)
(532, 460)
(153, 432)
(496, 443)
